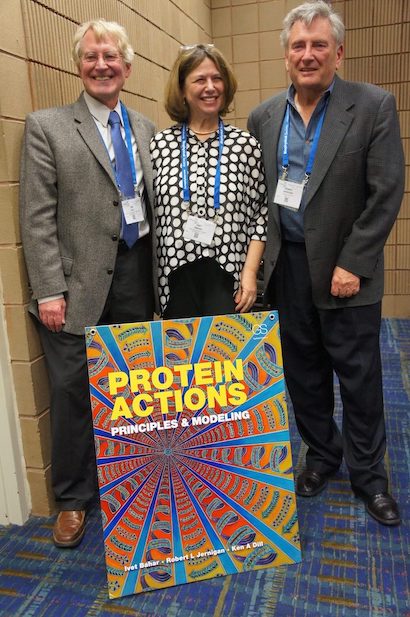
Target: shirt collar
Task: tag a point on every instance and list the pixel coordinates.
(101, 112)
(292, 91)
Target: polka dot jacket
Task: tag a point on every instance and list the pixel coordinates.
(243, 201)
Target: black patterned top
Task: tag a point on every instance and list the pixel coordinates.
(243, 200)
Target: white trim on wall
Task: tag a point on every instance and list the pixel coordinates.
(14, 491)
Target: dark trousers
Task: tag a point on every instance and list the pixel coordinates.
(200, 288)
(73, 466)
(315, 343)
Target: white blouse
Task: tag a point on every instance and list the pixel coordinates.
(243, 209)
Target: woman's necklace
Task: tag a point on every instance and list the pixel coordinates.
(200, 133)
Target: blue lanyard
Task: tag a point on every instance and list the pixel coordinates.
(312, 154)
(185, 173)
(127, 130)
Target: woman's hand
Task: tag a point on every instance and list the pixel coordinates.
(246, 295)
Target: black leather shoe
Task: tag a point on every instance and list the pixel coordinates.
(310, 483)
(382, 507)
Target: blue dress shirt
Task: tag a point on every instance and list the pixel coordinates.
(300, 143)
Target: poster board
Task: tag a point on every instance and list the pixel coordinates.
(193, 453)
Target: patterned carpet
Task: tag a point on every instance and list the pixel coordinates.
(351, 567)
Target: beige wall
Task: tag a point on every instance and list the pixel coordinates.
(37, 72)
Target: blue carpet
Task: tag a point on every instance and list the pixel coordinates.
(351, 567)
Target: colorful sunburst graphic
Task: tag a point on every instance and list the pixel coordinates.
(193, 453)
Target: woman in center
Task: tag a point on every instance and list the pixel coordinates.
(210, 194)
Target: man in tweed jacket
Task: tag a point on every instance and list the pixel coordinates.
(81, 271)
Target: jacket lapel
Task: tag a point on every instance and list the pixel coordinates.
(89, 132)
(269, 135)
(336, 124)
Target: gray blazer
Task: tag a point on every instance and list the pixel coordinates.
(354, 193)
(69, 208)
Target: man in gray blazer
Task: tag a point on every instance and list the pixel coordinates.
(335, 174)
(87, 244)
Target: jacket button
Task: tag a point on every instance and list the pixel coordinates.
(114, 238)
(115, 203)
(110, 271)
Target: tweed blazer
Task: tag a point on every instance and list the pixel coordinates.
(354, 193)
(69, 208)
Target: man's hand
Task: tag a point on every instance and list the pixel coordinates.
(52, 314)
(344, 283)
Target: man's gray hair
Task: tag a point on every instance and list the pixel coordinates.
(103, 29)
(306, 13)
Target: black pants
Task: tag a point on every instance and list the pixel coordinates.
(200, 288)
(315, 343)
(130, 299)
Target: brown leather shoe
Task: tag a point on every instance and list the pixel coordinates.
(69, 528)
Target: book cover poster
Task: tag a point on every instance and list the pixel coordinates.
(193, 453)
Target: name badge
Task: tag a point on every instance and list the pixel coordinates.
(289, 194)
(132, 208)
(199, 230)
